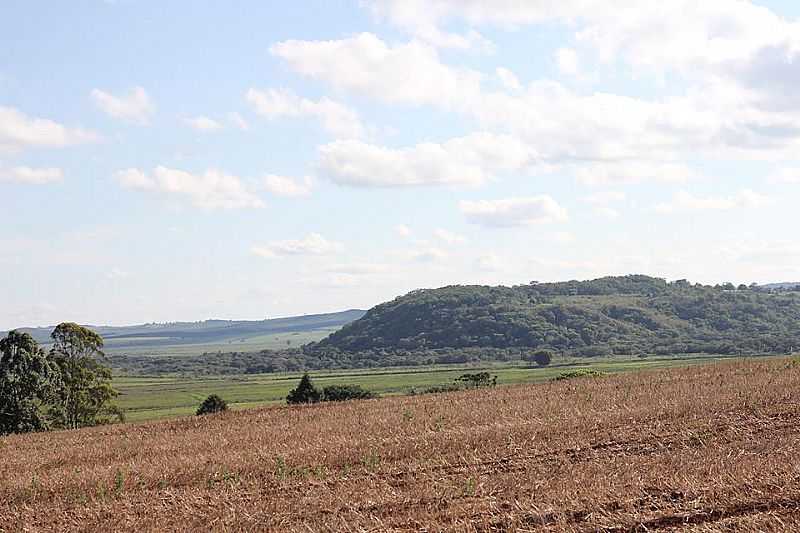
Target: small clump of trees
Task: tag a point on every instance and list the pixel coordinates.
(66, 388)
(212, 404)
(540, 357)
(306, 392)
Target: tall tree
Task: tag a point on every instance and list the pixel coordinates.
(27, 382)
(305, 392)
(85, 395)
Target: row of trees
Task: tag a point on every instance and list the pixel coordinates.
(68, 387)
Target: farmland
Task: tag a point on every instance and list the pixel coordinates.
(699, 447)
(152, 397)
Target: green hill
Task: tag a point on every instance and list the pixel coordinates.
(195, 338)
(613, 315)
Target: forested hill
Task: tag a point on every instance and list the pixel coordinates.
(613, 315)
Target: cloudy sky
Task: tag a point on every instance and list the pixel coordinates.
(168, 161)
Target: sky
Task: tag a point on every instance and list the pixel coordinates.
(165, 161)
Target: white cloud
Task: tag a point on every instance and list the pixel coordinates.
(597, 174)
(367, 65)
(134, 106)
(685, 201)
(470, 160)
(313, 244)
(449, 237)
(336, 118)
(237, 120)
(204, 124)
(19, 131)
(567, 60)
(403, 230)
(358, 269)
(490, 263)
(606, 212)
(508, 79)
(604, 197)
(785, 175)
(287, 186)
(210, 190)
(513, 211)
(429, 254)
(31, 176)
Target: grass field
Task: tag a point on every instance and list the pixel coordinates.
(711, 447)
(272, 341)
(145, 398)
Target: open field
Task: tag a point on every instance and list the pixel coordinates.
(700, 448)
(145, 398)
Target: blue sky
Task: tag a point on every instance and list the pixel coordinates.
(168, 161)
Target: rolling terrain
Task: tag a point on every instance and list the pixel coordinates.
(699, 448)
(629, 315)
(196, 338)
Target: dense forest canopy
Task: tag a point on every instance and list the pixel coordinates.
(611, 315)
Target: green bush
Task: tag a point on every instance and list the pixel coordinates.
(341, 393)
(580, 373)
(305, 392)
(212, 404)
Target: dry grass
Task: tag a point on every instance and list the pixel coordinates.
(712, 448)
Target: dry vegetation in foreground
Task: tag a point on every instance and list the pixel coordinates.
(705, 448)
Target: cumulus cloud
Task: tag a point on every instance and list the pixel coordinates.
(785, 175)
(604, 197)
(508, 79)
(336, 118)
(449, 237)
(685, 201)
(567, 60)
(204, 124)
(313, 244)
(31, 176)
(511, 212)
(365, 64)
(606, 212)
(470, 160)
(428, 254)
(19, 131)
(211, 190)
(237, 120)
(633, 172)
(287, 186)
(134, 106)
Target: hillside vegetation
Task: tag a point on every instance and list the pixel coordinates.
(195, 338)
(711, 448)
(611, 315)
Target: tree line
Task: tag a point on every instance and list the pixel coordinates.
(67, 387)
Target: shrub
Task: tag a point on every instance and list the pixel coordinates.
(543, 357)
(305, 392)
(479, 379)
(580, 373)
(341, 393)
(212, 404)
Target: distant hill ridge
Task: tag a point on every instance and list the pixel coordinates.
(213, 330)
(632, 314)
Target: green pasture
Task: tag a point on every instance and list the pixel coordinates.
(148, 397)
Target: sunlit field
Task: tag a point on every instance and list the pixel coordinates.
(699, 447)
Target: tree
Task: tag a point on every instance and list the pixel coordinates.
(27, 382)
(542, 357)
(212, 404)
(477, 380)
(305, 392)
(85, 395)
(340, 393)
